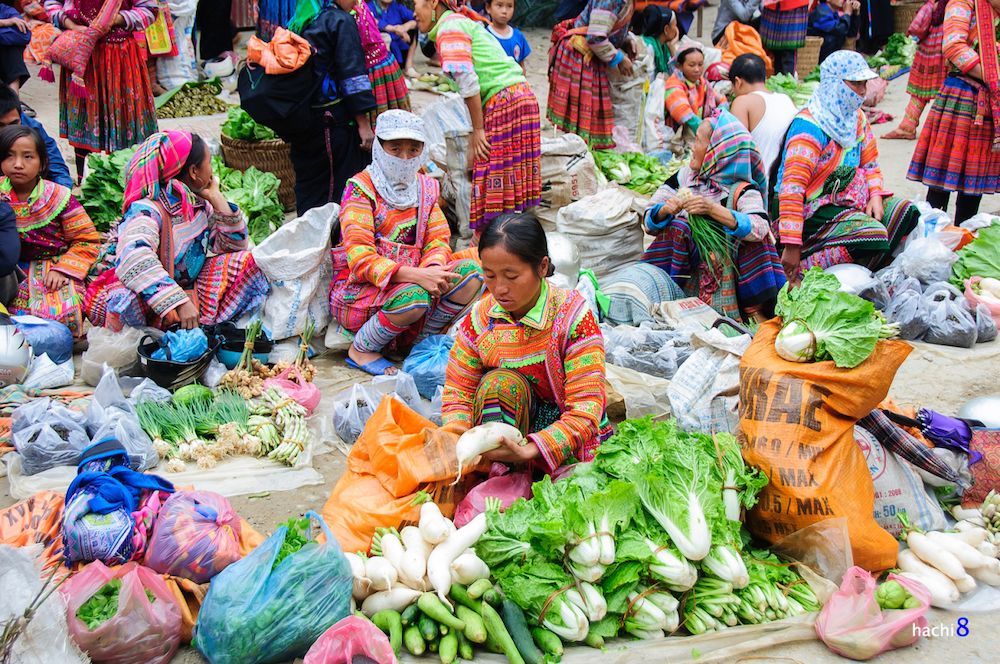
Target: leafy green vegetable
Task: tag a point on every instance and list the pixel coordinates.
(103, 190)
(979, 258)
(241, 126)
(103, 605)
(899, 50)
(256, 194)
(844, 327)
(789, 85)
(298, 536)
(640, 173)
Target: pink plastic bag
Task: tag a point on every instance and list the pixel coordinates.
(141, 632)
(975, 299)
(348, 638)
(196, 536)
(300, 390)
(507, 488)
(852, 624)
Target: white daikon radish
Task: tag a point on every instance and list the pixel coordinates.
(414, 565)
(362, 584)
(966, 554)
(942, 589)
(970, 533)
(966, 584)
(381, 573)
(481, 439)
(468, 568)
(988, 575)
(392, 550)
(445, 553)
(987, 549)
(433, 525)
(934, 555)
(396, 599)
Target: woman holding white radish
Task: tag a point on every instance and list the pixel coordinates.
(529, 355)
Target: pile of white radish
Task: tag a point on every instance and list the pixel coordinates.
(481, 439)
(950, 563)
(430, 556)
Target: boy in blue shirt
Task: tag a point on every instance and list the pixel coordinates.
(512, 39)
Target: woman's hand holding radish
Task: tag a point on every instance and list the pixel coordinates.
(511, 451)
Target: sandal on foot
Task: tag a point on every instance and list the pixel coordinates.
(373, 368)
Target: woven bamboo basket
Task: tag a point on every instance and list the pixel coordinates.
(903, 15)
(273, 156)
(807, 57)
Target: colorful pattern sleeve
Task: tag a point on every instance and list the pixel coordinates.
(340, 60)
(228, 232)
(602, 22)
(585, 395)
(677, 102)
(139, 267)
(357, 224)
(141, 15)
(454, 46)
(83, 239)
(461, 379)
(436, 250)
(869, 160)
(802, 152)
(959, 28)
(57, 11)
(753, 224)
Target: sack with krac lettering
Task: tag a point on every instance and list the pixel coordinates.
(797, 422)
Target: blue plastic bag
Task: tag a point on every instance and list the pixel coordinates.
(46, 337)
(184, 345)
(254, 614)
(427, 363)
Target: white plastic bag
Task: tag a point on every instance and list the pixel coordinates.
(110, 414)
(928, 260)
(351, 409)
(931, 221)
(628, 95)
(47, 434)
(652, 351)
(46, 374)
(704, 393)
(116, 350)
(605, 228)
(656, 134)
(296, 261)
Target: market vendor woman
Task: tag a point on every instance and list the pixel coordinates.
(528, 354)
(156, 268)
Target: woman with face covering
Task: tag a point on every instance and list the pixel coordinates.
(395, 280)
(832, 206)
(528, 354)
(179, 254)
(726, 188)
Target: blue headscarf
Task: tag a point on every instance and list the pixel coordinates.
(835, 107)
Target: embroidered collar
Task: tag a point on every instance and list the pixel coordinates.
(45, 203)
(537, 316)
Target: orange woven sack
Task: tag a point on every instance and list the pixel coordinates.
(797, 422)
(399, 453)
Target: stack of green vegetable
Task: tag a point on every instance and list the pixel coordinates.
(899, 51)
(979, 258)
(103, 605)
(800, 92)
(821, 322)
(640, 173)
(241, 126)
(103, 191)
(191, 99)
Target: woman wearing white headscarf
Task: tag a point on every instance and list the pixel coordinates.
(395, 280)
(832, 203)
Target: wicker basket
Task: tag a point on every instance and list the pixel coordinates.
(273, 156)
(903, 15)
(807, 57)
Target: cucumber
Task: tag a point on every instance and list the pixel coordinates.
(391, 623)
(448, 648)
(410, 615)
(477, 588)
(594, 640)
(432, 646)
(475, 630)
(464, 647)
(461, 596)
(495, 627)
(548, 642)
(435, 608)
(428, 628)
(493, 598)
(413, 641)
(517, 627)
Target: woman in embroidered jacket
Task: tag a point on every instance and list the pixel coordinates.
(689, 98)
(399, 279)
(832, 206)
(155, 267)
(528, 354)
(58, 241)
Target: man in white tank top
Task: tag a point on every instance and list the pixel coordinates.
(766, 114)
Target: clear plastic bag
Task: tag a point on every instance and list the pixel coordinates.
(928, 260)
(142, 631)
(427, 363)
(258, 612)
(351, 409)
(949, 322)
(852, 624)
(196, 536)
(437, 403)
(646, 349)
(47, 375)
(116, 350)
(46, 337)
(110, 414)
(350, 638)
(47, 434)
(986, 328)
(908, 308)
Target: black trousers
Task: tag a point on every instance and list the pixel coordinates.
(325, 158)
(215, 28)
(12, 67)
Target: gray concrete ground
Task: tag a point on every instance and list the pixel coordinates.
(265, 513)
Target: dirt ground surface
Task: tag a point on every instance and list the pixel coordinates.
(941, 378)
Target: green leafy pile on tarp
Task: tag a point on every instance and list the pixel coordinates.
(640, 173)
(979, 258)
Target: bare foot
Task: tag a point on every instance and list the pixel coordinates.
(363, 358)
(900, 134)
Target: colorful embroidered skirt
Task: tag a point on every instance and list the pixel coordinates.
(353, 303)
(64, 305)
(580, 96)
(511, 180)
(953, 152)
(389, 87)
(505, 395)
(842, 235)
(228, 286)
(929, 68)
(750, 281)
(784, 30)
(118, 112)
